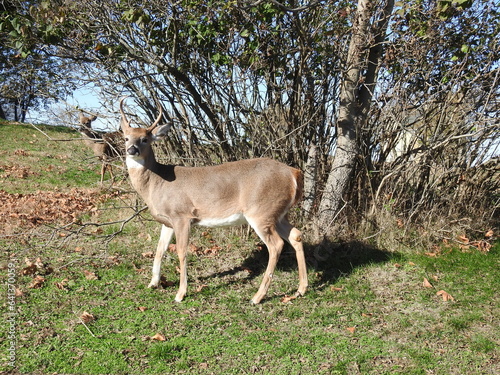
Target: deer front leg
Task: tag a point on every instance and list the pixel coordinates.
(165, 238)
(182, 239)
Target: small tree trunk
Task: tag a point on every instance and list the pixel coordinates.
(352, 110)
(310, 172)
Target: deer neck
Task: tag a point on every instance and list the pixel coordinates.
(143, 172)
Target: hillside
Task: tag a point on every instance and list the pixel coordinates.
(47, 175)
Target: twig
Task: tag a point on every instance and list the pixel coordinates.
(81, 320)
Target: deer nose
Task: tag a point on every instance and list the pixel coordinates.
(132, 150)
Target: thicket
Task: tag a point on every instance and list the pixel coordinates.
(418, 82)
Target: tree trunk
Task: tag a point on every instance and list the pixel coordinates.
(353, 109)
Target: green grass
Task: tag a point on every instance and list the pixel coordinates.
(366, 311)
(40, 163)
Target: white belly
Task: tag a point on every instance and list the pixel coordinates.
(235, 219)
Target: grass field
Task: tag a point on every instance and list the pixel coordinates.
(75, 301)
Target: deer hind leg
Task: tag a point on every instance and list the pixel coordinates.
(165, 238)
(294, 237)
(274, 243)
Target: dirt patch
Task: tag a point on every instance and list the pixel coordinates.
(43, 207)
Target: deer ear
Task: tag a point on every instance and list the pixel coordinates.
(161, 132)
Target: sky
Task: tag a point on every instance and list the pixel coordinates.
(65, 112)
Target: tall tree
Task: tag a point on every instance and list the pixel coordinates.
(358, 82)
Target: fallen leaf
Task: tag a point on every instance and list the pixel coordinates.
(164, 283)
(60, 285)
(158, 337)
(287, 299)
(427, 284)
(199, 288)
(431, 254)
(29, 270)
(336, 289)
(483, 246)
(411, 264)
(142, 308)
(37, 282)
(87, 317)
(489, 233)
(367, 315)
(351, 329)
(90, 275)
(445, 296)
(397, 265)
(148, 254)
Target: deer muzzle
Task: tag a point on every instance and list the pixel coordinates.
(133, 151)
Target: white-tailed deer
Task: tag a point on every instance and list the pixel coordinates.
(106, 146)
(257, 191)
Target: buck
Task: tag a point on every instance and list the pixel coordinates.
(257, 191)
(106, 146)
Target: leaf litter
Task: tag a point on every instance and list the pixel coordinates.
(45, 207)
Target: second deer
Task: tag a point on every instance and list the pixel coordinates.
(257, 191)
(106, 146)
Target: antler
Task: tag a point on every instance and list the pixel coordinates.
(124, 122)
(158, 119)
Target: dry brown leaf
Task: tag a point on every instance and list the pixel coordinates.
(431, 254)
(483, 246)
(158, 337)
(427, 284)
(87, 317)
(199, 288)
(287, 299)
(61, 285)
(37, 282)
(148, 254)
(367, 315)
(351, 329)
(90, 275)
(336, 289)
(29, 270)
(445, 296)
(489, 233)
(164, 283)
(142, 308)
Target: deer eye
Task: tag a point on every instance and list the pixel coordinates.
(126, 139)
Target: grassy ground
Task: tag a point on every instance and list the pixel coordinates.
(81, 305)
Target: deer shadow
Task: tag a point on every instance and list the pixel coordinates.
(329, 260)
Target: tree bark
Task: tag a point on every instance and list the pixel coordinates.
(353, 109)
